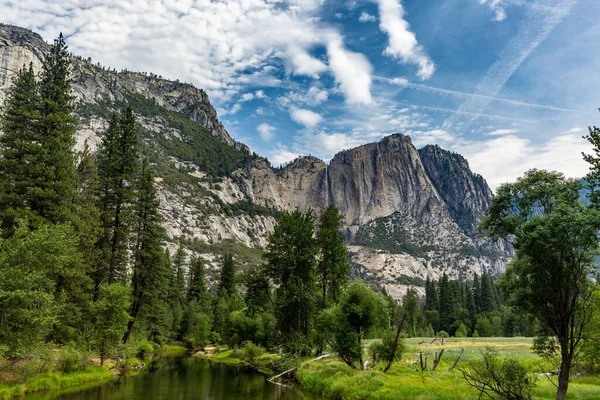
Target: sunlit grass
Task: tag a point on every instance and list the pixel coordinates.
(335, 380)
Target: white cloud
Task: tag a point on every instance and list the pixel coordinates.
(305, 117)
(434, 136)
(282, 155)
(220, 46)
(499, 14)
(304, 64)
(501, 132)
(366, 17)
(317, 96)
(402, 42)
(259, 94)
(266, 131)
(352, 71)
(247, 97)
(505, 158)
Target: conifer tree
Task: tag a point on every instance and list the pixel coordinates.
(431, 296)
(20, 150)
(488, 298)
(197, 286)
(333, 268)
(227, 282)
(150, 273)
(117, 162)
(55, 190)
(178, 296)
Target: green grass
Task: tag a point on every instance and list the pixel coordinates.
(335, 380)
(231, 357)
(56, 381)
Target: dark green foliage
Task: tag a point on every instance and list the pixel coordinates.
(151, 271)
(228, 278)
(117, 163)
(258, 290)
(291, 265)
(20, 148)
(28, 263)
(333, 268)
(57, 130)
(345, 325)
(383, 350)
(197, 284)
(110, 318)
(555, 238)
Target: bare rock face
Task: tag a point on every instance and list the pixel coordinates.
(410, 214)
(377, 179)
(467, 195)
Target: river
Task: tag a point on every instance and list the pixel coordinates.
(185, 379)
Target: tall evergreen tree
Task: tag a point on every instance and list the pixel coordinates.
(150, 273)
(118, 160)
(291, 265)
(333, 268)
(227, 281)
(446, 302)
(488, 294)
(20, 151)
(197, 290)
(431, 296)
(56, 190)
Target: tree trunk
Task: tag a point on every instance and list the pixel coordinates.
(395, 345)
(563, 377)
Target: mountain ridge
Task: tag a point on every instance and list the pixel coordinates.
(410, 212)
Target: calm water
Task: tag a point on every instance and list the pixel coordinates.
(183, 379)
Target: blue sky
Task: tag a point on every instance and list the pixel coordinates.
(510, 84)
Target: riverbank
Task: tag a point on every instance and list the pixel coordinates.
(57, 381)
(333, 379)
(52, 379)
(263, 364)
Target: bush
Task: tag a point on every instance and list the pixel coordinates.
(251, 352)
(144, 349)
(382, 350)
(505, 379)
(71, 360)
(443, 334)
(461, 332)
(285, 363)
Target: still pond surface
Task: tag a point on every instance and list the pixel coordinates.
(185, 379)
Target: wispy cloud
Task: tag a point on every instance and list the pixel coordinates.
(427, 88)
(537, 24)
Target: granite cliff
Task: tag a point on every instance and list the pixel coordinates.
(410, 214)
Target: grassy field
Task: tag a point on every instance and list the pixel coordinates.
(334, 380)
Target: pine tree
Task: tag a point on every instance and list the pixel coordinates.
(150, 273)
(333, 268)
(197, 286)
(431, 296)
(117, 162)
(178, 295)
(477, 292)
(291, 265)
(446, 303)
(227, 282)
(20, 151)
(488, 294)
(56, 190)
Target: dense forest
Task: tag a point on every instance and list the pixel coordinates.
(84, 265)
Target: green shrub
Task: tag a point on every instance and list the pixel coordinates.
(443, 334)
(251, 352)
(505, 379)
(144, 348)
(461, 332)
(71, 360)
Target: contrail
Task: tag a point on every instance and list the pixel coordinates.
(476, 114)
(540, 21)
(427, 88)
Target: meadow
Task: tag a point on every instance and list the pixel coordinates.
(333, 379)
